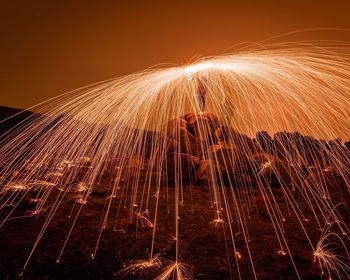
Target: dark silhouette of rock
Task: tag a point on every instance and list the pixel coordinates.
(187, 143)
(202, 126)
(229, 157)
(277, 172)
(173, 126)
(229, 135)
(265, 142)
(170, 145)
(11, 117)
(347, 145)
(228, 163)
(179, 166)
(203, 150)
(202, 172)
(226, 134)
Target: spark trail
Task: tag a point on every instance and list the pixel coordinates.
(131, 127)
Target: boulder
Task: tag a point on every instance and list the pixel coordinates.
(217, 175)
(191, 117)
(226, 134)
(201, 173)
(163, 146)
(173, 126)
(278, 173)
(225, 165)
(260, 158)
(230, 135)
(202, 126)
(187, 143)
(347, 145)
(230, 158)
(264, 141)
(170, 145)
(180, 166)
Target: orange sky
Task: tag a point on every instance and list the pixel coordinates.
(49, 48)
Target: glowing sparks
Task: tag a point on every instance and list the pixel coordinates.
(218, 221)
(16, 187)
(137, 266)
(326, 256)
(281, 253)
(120, 130)
(176, 271)
(143, 219)
(191, 69)
(238, 255)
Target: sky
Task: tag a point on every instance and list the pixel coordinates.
(51, 47)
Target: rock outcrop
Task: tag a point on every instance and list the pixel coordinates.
(199, 149)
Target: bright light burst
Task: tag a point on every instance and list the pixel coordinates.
(129, 126)
(326, 252)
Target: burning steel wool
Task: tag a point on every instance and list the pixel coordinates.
(146, 139)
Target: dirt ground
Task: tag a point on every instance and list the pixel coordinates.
(204, 246)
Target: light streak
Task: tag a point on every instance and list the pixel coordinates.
(134, 129)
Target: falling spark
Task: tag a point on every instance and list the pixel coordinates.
(84, 134)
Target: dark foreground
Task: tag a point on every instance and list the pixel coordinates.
(203, 246)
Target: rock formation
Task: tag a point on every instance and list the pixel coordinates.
(199, 149)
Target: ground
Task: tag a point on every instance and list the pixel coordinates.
(204, 245)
